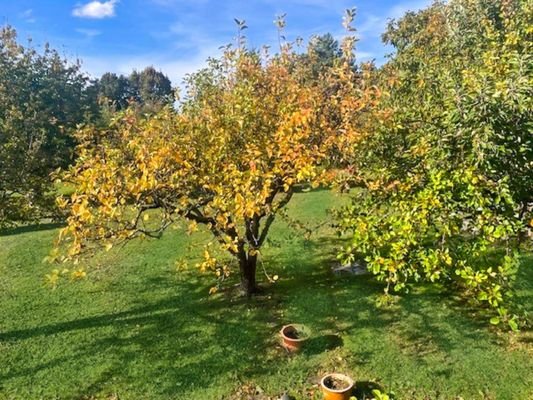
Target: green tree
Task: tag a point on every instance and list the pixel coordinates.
(148, 90)
(449, 166)
(42, 99)
(115, 90)
(152, 88)
(323, 51)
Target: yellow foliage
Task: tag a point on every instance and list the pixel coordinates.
(229, 157)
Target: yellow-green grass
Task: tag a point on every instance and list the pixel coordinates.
(137, 329)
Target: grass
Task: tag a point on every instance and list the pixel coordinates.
(137, 329)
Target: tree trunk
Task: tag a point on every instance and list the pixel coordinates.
(248, 266)
(524, 206)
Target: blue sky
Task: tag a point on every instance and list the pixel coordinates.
(176, 36)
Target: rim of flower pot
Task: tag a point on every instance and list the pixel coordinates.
(342, 377)
(298, 327)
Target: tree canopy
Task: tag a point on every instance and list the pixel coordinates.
(43, 99)
(448, 174)
(437, 140)
(249, 131)
(149, 89)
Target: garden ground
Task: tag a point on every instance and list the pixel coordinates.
(137, 328)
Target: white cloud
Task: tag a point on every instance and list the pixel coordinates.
(326, 4)
(96, 9)
(364, 55)
(374, 25)
(28, 16)
(190, 44)
(400, 9)
(89, 33)
(174, 3)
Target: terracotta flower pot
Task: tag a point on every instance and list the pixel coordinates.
(337, 387)
(294, 336)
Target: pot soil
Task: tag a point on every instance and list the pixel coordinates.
(337, 387)
(294, 336)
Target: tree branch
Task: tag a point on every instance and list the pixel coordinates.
(272, 216)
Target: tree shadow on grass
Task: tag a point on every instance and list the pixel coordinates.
(30, 228)
(182, 340)
(321, 343)
(339, 305)
(172, 345)
(363, 389)
(524, 281)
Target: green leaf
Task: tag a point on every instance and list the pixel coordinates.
(513, 325)
(495, 320)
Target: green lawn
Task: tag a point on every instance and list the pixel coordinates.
(137, 329)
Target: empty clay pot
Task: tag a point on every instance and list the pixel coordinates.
(294, 336)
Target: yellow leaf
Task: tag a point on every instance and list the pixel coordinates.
(193, 227)
(180, 265)
(79, 274)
